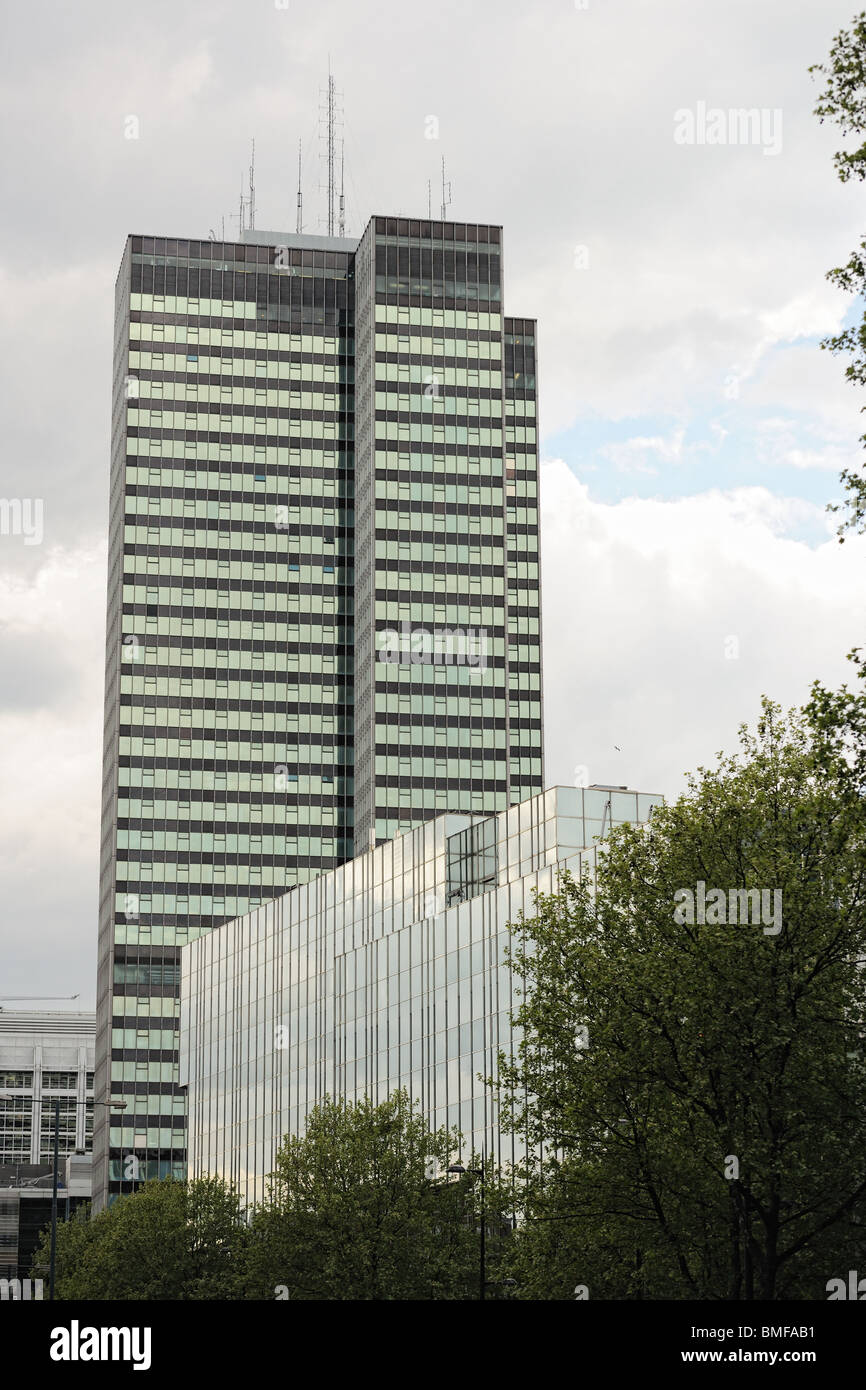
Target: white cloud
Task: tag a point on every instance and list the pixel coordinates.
(633, 455)
(188, 77)
(51, 640)
(781, 441)
(640, 599)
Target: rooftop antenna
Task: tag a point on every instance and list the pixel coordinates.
(429, 199)
(331, 103)
(299, 222)
(342, 223)
(329, 117)
(446, 191)
(253, 187)
(241, 211)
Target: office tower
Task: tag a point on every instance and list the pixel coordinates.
(386, 972)
(274, 701)
(446, 531)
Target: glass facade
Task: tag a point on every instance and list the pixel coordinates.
(369, 979)
(315, 441)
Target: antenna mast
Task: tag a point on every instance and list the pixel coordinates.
(299, 221)
(253, 187)
(331, 103)
(330, 117)
(446, 191)
(342, 223)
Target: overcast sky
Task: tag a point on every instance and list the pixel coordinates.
(692, 429)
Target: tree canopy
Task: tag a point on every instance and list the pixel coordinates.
(699, 1084)
(361, 1207)
(169, 1240)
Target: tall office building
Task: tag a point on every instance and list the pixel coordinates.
(323, 607)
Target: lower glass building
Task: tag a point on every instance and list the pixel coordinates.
(387, 972)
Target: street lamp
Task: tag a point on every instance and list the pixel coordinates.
(476, 1173)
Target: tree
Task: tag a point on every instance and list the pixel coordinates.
(699, 1079)
(843, 100)
(168, 1240)
(360, 1207)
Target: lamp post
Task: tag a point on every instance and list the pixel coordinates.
(476, 1173)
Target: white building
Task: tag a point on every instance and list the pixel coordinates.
(45, 1057)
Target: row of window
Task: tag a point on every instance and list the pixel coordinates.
(423, 342)
(196, 829)
(289, 392)
(317, 486)
(182, 846)
(221, 611)
(195, 335)
(432, 464)
(440, 540)
(49, 1080)
(209, 908)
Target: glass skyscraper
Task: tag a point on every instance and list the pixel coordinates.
(323, 603)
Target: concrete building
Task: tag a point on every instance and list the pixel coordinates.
(46, 1059)
(385, 972)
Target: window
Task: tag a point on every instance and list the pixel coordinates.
(59, 1080)
(13, 1080)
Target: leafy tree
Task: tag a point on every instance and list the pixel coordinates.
(843, 100)
(360, 1207)
(709, 1140)
(837, 719)
(168, 1240)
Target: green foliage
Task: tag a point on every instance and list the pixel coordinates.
(168, 1240)
(359, 1209)
(710, 1141)
(843, 100)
